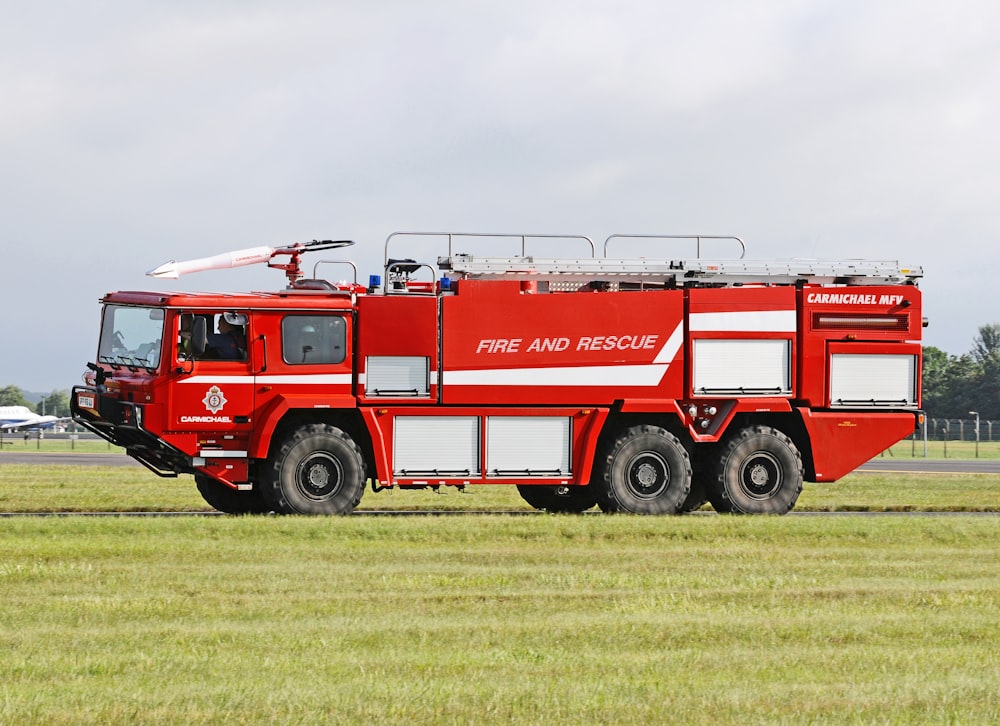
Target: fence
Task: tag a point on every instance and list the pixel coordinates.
(49, 440)
(961, 429)
(951, 438)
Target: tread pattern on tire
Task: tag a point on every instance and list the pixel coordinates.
(613, 495)
(725, 492)
(280, 492)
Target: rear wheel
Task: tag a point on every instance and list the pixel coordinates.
(759, 471)
(697, 497)
(558, 499)
(645, 471)
(318, 470)
(229, 500)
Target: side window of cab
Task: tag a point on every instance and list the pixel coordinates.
(313, 339)
(212, 336)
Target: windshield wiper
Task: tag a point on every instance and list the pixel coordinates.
(110, 361)
(128, 362)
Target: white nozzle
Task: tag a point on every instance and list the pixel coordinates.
(239, 258)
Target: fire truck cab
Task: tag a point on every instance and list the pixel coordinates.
(639, 385)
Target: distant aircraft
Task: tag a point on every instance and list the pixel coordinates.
(22, 417)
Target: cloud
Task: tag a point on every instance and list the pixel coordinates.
(136, 132)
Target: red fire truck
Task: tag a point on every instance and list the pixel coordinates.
(640, 385)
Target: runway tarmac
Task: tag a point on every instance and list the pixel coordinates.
(932, 466)
(67, 459)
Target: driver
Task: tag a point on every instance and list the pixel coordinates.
(230, 342)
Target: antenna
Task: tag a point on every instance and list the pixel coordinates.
(250, 256)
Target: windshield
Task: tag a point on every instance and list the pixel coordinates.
(131, 337)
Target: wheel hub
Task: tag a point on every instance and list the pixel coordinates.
(318, 476)
(759, 475)
(646, 475)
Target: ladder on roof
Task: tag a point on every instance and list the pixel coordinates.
(681, 273)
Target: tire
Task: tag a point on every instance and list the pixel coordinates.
(697, 497)
(759, 471)
(645, 471)
(318, 470)
(229, 500)
(575, 499)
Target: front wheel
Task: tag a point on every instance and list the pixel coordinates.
(759, 471)
(558, 499)
(318, 470)
(229, 500)
(645, 471)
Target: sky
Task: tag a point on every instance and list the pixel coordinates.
(132, 133)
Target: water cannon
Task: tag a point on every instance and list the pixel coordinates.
(250, 256)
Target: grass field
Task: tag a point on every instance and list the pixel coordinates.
(548, 619)
(29, 488)
(543, 619)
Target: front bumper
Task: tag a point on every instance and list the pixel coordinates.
(120, 423)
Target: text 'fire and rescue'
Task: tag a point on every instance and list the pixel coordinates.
(557, 345)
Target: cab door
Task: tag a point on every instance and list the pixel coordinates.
(212, 392)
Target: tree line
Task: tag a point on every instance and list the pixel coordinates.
(953, 385)
(956, 385)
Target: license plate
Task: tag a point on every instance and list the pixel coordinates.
(85, 400)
